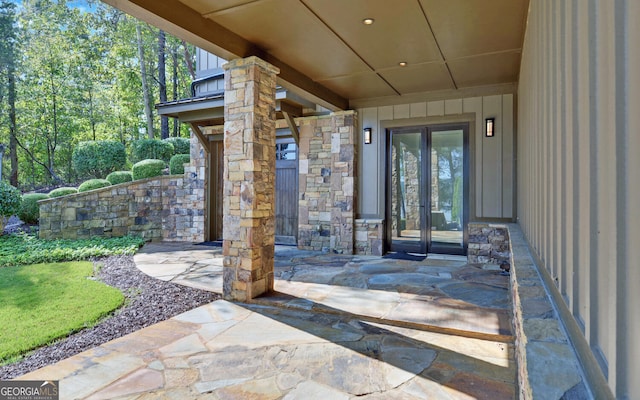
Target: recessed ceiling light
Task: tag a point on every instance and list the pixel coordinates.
(368, 21)
(402, 63)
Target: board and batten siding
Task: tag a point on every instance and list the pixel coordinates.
(492, 166)
(208, 64)
(579, 176)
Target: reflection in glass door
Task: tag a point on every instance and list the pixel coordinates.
(447, 191)
(426, 189)
(407, 191)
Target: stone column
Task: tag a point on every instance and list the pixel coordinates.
(343, 185)
(249, 178)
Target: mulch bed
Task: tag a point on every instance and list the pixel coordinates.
(148, 301)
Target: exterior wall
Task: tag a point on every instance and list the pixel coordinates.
(208, 64)
(327, 155)
(167, 208)
(578, 181)
(492, 159)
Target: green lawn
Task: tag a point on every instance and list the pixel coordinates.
(43, 302)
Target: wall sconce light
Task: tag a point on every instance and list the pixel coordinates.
(489, 127)
(367, 135)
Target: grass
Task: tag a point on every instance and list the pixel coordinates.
(24, 249)
(44, 302)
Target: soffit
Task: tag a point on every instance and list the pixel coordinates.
(325, 51)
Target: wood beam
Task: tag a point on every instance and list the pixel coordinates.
(201, 138)
(180, 20)
(292, 126)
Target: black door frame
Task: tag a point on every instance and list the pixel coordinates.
(426, 246)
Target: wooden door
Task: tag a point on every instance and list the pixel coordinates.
(215, 190)
(286, 191)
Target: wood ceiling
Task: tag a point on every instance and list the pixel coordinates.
(326, 52)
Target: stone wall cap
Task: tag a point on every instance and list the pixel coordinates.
(248, 61)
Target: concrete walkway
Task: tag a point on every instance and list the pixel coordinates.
(337, 327)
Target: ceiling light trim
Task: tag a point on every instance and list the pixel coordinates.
(433, 34)
(341, 39)
(209, 14)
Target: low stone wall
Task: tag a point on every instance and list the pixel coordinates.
(161, 208)
(369, 236)
(548, 366)
(488, 244)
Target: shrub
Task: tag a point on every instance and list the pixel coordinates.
(92, 184)
(147, 169)
(155, 149)
(62, 191)
(180, 145)
(176, 164)
(117, 177)
(29, 209)
(98, 158)
(10, 200)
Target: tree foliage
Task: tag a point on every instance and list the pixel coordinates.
(77, 77)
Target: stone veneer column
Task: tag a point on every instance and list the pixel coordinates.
(249, 178)
(343, 185)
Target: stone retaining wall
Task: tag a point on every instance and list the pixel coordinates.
(162, 208)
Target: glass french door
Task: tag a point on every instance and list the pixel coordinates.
(427, 189)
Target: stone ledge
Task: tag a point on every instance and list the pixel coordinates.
(548, 366)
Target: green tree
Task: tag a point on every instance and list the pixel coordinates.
(73, 73)
(8, 49)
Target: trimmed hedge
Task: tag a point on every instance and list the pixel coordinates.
(98, 158)
(117, 177)
(62, 191)
(29, 209)
(180, 145)
(152, 149)
(92, 184)
(147, 169)
(176, 164)
(10, 200)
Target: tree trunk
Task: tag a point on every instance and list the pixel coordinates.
(174, 79)
(13, 145)
(162, 80)
(187, 60)
(145, 86)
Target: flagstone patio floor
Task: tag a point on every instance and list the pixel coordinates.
(336, 327)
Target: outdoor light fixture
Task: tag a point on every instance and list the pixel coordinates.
(402, 63)
(368, 21)
(367, 135)
(489, 127)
